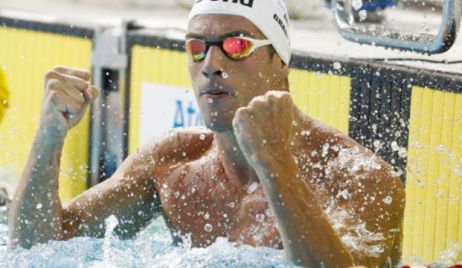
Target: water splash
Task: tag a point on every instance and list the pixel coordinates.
(351, 160)
(151, 248)
(451, 256)
(357, 4)
(388, 200)
(208, 227)
(111, 223)
(355, 234)
(252, 187)
(337, 65)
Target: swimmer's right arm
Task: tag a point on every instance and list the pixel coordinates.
(37, 214)
(36, 211)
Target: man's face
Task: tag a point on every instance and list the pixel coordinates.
(222, 85)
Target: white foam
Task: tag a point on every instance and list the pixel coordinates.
(451, 256)
(351, 160)
(354, 233)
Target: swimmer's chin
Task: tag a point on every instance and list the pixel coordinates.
(218, 127)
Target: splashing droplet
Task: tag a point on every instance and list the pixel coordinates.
(440, 148)
(362, 15)
(208, 227)
(305, 133)
(387, 200)
(395, 146)
(337, 65)
(357, 4)
(252, 188)
(260, 217)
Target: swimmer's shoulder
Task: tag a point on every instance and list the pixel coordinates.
(340, 151)
(355, 164)
(180, 145)
(315, 135)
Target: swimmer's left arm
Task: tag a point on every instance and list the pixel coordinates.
(308, 237)
(263, 131)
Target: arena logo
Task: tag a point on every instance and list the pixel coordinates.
(248, 3)
(186, 116)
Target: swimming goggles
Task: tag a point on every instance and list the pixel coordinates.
(235, 48)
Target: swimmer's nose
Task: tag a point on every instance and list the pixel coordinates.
(213, 62)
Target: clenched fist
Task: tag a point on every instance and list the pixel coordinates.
(68, 93)
(263, 128)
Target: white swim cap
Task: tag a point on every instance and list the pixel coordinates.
(270, 16)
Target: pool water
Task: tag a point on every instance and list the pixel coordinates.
(151, 248)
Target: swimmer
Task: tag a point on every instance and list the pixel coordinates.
(263, 173)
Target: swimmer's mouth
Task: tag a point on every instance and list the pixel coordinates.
(216, 93)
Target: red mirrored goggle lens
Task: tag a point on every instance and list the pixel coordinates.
(196, 49)
(235, 47)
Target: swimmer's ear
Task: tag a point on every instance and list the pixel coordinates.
(281, 69)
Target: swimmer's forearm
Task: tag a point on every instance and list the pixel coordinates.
(36, 211)
(308, 237)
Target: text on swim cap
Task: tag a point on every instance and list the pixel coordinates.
(281, 23)
(248, 3)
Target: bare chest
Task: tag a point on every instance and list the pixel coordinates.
(199, 200)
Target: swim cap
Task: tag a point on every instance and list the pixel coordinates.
(4, 94)
(270, 16)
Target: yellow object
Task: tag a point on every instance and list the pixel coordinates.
(433, 217)
(26, 56)
(4, 94)
(322, 96)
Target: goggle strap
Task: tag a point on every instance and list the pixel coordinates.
(257, 43)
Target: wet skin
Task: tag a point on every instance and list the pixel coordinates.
(261, 175)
